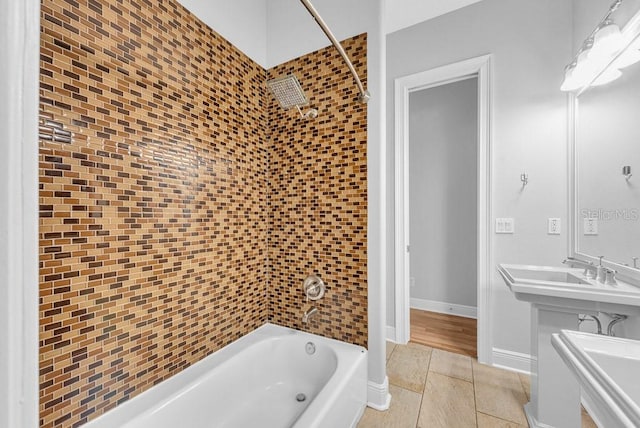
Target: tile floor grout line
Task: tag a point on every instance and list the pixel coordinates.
(502, 419)
(424, 387)
(473, 382)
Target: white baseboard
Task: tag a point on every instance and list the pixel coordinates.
(510, 360)
(378, 396)
(391, 334)
(444, 308)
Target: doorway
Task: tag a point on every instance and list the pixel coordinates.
(443, 215)
(425, 269)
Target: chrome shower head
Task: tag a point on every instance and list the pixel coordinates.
(287, 91)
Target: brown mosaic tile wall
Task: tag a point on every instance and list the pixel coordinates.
(153, 193)
(318, 197)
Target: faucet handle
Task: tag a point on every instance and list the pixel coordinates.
(635, 262)
(600, 260)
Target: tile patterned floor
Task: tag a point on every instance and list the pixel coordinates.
(432, 388)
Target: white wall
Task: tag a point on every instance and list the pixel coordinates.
(242, 22)
(443, 129)
(531, 43)
(401, 14)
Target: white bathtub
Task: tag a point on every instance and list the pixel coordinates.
(254, 382)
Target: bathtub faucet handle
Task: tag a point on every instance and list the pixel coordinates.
(314, 288)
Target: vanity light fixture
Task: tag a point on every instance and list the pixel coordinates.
(604, 43)
(572, 79)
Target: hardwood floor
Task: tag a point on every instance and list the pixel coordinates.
(443, 331)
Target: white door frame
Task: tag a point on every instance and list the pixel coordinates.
(404, 86)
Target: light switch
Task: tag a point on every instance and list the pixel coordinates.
(554, 226)
(590, 226)
(505, 225)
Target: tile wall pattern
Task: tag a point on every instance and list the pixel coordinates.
(318, 196)
(158, 203)
(152, 216)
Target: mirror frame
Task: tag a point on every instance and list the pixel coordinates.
(626, 273)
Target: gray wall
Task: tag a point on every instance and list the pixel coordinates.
(443, 129)
(531, 42)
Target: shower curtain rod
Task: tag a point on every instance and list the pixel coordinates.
(364, 94)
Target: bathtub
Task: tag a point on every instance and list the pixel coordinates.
(274, 377)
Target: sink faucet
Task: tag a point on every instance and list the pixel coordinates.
(589, 269)
(610, 277)
(600, 271)
(310, 313)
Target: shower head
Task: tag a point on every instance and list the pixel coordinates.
(287, 91)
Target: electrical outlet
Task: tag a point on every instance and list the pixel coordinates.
(554, 226)
(412, 282)
(505, 225)
(590, 226)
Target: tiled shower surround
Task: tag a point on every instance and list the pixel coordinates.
(318, 197)
(187, 207)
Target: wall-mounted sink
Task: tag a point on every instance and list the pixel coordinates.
(557, 295)
(607, 369)
(567, 288)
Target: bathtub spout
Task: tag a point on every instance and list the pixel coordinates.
(307, 315)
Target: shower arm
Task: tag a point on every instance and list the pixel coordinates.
(364, 94)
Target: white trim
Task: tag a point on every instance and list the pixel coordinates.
(531, 420)
(444, 308)
(376, 191)
(20, 35)
(480, 67)
(510, 360)
(378, 395)
(391, 334)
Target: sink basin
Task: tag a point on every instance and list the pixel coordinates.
(546, 275)
(567, 288)
(607, 369)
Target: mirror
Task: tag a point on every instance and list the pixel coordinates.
(605, 167)
(607, 142)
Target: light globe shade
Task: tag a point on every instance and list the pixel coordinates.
(571, 81)
(585, 68)
(607, 76)
(607, 42)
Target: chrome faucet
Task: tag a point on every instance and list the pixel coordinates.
(589, 269)
(610, 277)
(600, 271)
(615, 319)
(310, 313)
